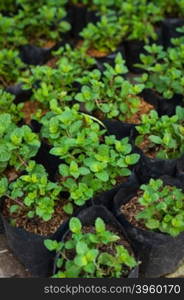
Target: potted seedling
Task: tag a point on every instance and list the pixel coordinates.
(42, 22)
(89, 156)
(109, 95)
(161, 142)
(163, 78)
(153, 214)
(104, 37)
(173, 12)
(142, 18)
(56, 82)
(31, 211)
(7, 105)
(17, 146)
(93, 248)
(11, 67)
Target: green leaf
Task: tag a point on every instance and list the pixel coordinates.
(68, 208)
(132, 159)
(64, 170)
(81, 248)
(75, 225)
(99, 225)
(155, 139)
(103, 175)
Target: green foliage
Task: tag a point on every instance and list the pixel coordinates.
(165, 134)
(7, 105)
(164, 69)
(141, 17)
(11, 66)
(17, 144)
(163, 207)
(109, 92)
(89, 260)
(9, 33)
(174, 8)
(90, 158)
(39, 21)
(105, 35)
(57, 83)
(38, 195)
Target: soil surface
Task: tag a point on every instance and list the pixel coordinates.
(35, 225)
(144, 108)
(131, 209)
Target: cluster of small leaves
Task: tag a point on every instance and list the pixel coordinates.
(101, 6)
(39, 20)
(140, 16)
(49, 83)
(174, 8)
(89, 260)
(7, 105)
(164, 69)
(165, 134)
(109, 92)
(17, 144)
(36, 195)
(11, 66)
(106, 35)
(92, 161)
(163, 207)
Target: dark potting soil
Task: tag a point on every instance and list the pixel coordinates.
(131, 209)
(149, 149)
(144, 108)
(35, 225)
(29, 108)
(11, 174)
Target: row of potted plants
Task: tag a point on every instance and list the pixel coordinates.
(83, 145)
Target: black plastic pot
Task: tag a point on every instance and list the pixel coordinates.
(29, 247)
(49, 161)
(78, 19)
(169, 31)
(154, 168)
(20, 94)
(92, 17)
(180, 170)
(33, 55)
(88, 217)
(160, 253)
(106, 198)
(120, 129)
(163, 106)
(30, 250)
(133, 49)
(1, 221)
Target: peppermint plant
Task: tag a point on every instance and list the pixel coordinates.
(49, 83)
(90, 158)
(11, 67)
(164, 136)
(109, 92)
(163, 207)
(17, 144)
(32, 193)
(163, 69)
(7, 105)
(104, 36)
(96, 254)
